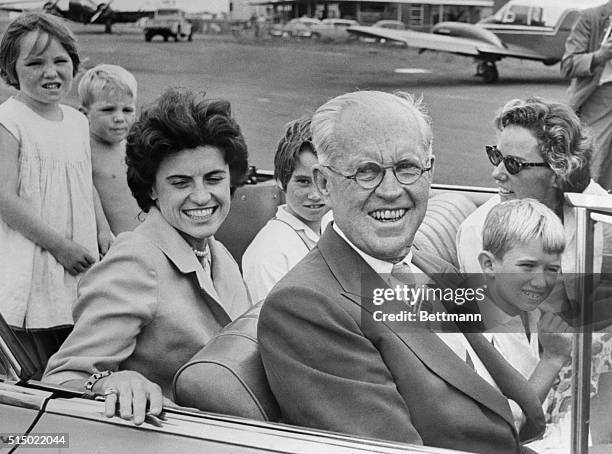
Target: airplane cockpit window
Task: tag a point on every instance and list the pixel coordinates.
(516, 15)
(528, 14)
(536, 18)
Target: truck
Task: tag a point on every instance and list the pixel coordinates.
(168, 22)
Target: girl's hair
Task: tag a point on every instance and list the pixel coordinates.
(103, 80)
(297, 138)
(179, 120)
(519, 221)
(25, 23)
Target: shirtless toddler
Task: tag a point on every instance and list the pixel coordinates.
(108, 98)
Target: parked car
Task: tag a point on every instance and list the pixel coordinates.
(296, 28)
(168, 23)
(44, 412)
(333, 29)
(392, 24)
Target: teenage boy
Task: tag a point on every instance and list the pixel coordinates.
(296, 228)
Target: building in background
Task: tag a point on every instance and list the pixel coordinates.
(418, 15)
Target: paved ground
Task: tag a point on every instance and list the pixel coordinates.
(271, 82)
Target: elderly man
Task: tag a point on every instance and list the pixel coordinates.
(328, 364)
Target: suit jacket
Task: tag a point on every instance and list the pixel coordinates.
(149, 306)
(329, 370)
(584, 39)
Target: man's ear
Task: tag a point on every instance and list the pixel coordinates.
(432, 160)
(84, 110)
(321, 181)
(487, 263)
(153, 194)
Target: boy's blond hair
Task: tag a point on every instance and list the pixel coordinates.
(519, 221)
(105, 79)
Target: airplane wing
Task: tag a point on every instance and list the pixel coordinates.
(22, 5)
(491, 48)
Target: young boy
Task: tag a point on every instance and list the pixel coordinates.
(296, 228)
(522, 245)
(108, 98)
(521, 259)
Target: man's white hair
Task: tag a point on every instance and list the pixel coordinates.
(326, 118)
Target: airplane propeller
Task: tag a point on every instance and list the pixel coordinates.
(102, 8)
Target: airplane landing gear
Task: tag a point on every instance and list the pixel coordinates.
(488, 71)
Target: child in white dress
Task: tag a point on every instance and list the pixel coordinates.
(52, 227)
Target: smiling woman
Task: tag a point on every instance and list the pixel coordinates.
(166, 288)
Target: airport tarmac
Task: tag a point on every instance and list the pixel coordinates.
(270, 82)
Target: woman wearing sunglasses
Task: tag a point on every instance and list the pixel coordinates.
(542, 152)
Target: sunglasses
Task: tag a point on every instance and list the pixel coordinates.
(512, 164)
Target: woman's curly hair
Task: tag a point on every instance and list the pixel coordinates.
(564, 142)
(178, 120)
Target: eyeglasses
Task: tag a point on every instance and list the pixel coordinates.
(512, 164)
(370, 174)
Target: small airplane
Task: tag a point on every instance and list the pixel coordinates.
(83, 11)
(523, 29)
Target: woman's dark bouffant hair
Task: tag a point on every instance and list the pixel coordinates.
(179, 120)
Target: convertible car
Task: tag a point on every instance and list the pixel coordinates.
(224, 403)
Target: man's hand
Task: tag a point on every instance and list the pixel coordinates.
(555, 337)
(133, 392)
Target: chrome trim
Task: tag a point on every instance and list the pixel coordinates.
(18, 396)
(233, 431)
(588, 209)
(600, 217)
(581, 377)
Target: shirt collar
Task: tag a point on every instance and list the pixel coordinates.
(380, 266)
(497, 320)
(296, 224)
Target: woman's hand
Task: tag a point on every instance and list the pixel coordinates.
(555, 337)
(72, 256)
(133, 392)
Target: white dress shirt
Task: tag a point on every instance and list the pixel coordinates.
(277, 248)
(507, 334)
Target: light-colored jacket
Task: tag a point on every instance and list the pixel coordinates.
(149, 306)
(584, 39)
